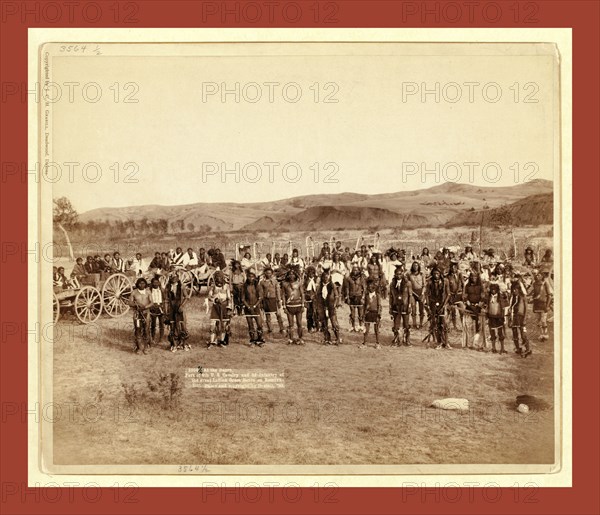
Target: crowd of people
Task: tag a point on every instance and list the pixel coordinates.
(114, 263)
(463, 291)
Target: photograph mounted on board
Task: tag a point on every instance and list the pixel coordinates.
(301, 258)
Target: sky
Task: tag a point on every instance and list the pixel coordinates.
(149, 124)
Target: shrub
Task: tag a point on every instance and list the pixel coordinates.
(167, 387)
(131, 394)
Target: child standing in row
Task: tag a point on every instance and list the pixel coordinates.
(372, 304)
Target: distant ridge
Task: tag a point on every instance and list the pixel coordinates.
(444, 204)
(531, 210)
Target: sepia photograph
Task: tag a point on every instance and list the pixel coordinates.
(300, 257)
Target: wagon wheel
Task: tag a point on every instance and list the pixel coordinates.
(211, 278)
(115, 294)
(56, 308)
(187, 282)
(164, 280)
(87, 304)
(195, 282)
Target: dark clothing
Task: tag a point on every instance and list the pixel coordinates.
(309, 299)
(400, 298)
(542, 295)
(518, 308)
(218, 260)
(158, 312)
(371, 317)
(518, 312)
(91, 267)
(270, 305)
(496, 304)
(157, 318)
(311, 316)
(326, 306)
(141, 326)
(102, 266)
(400, 295)
(156, 263)
(437, 292)
(473, 295)
(372, 305)
(238, 292)
(79, 271)
(165, 263)
(175, 298)
(251, 299)
(354, 287)
(330, 300)
(437, 297)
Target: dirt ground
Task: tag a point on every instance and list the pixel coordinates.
(340, 405)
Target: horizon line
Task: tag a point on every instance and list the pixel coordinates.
(314, 195)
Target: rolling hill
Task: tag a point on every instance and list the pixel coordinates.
(531, 210)
(336, 218)
(444, 204)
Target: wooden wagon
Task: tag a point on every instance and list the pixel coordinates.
(108, 293)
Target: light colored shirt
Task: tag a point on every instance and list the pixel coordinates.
(417, 281)
(139, 266)
(246, 263)
(326, 263)
(362, 261)
(156, 295)
(118, 264)
(338, 270)
(220, 293)
(190, 260)
(297, 261)
(389, 268)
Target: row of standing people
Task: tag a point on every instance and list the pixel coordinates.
(410, 293)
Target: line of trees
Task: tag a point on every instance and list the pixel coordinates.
(66, 220)
(121, 229)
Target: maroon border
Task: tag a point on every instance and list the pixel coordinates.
(15, 498)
